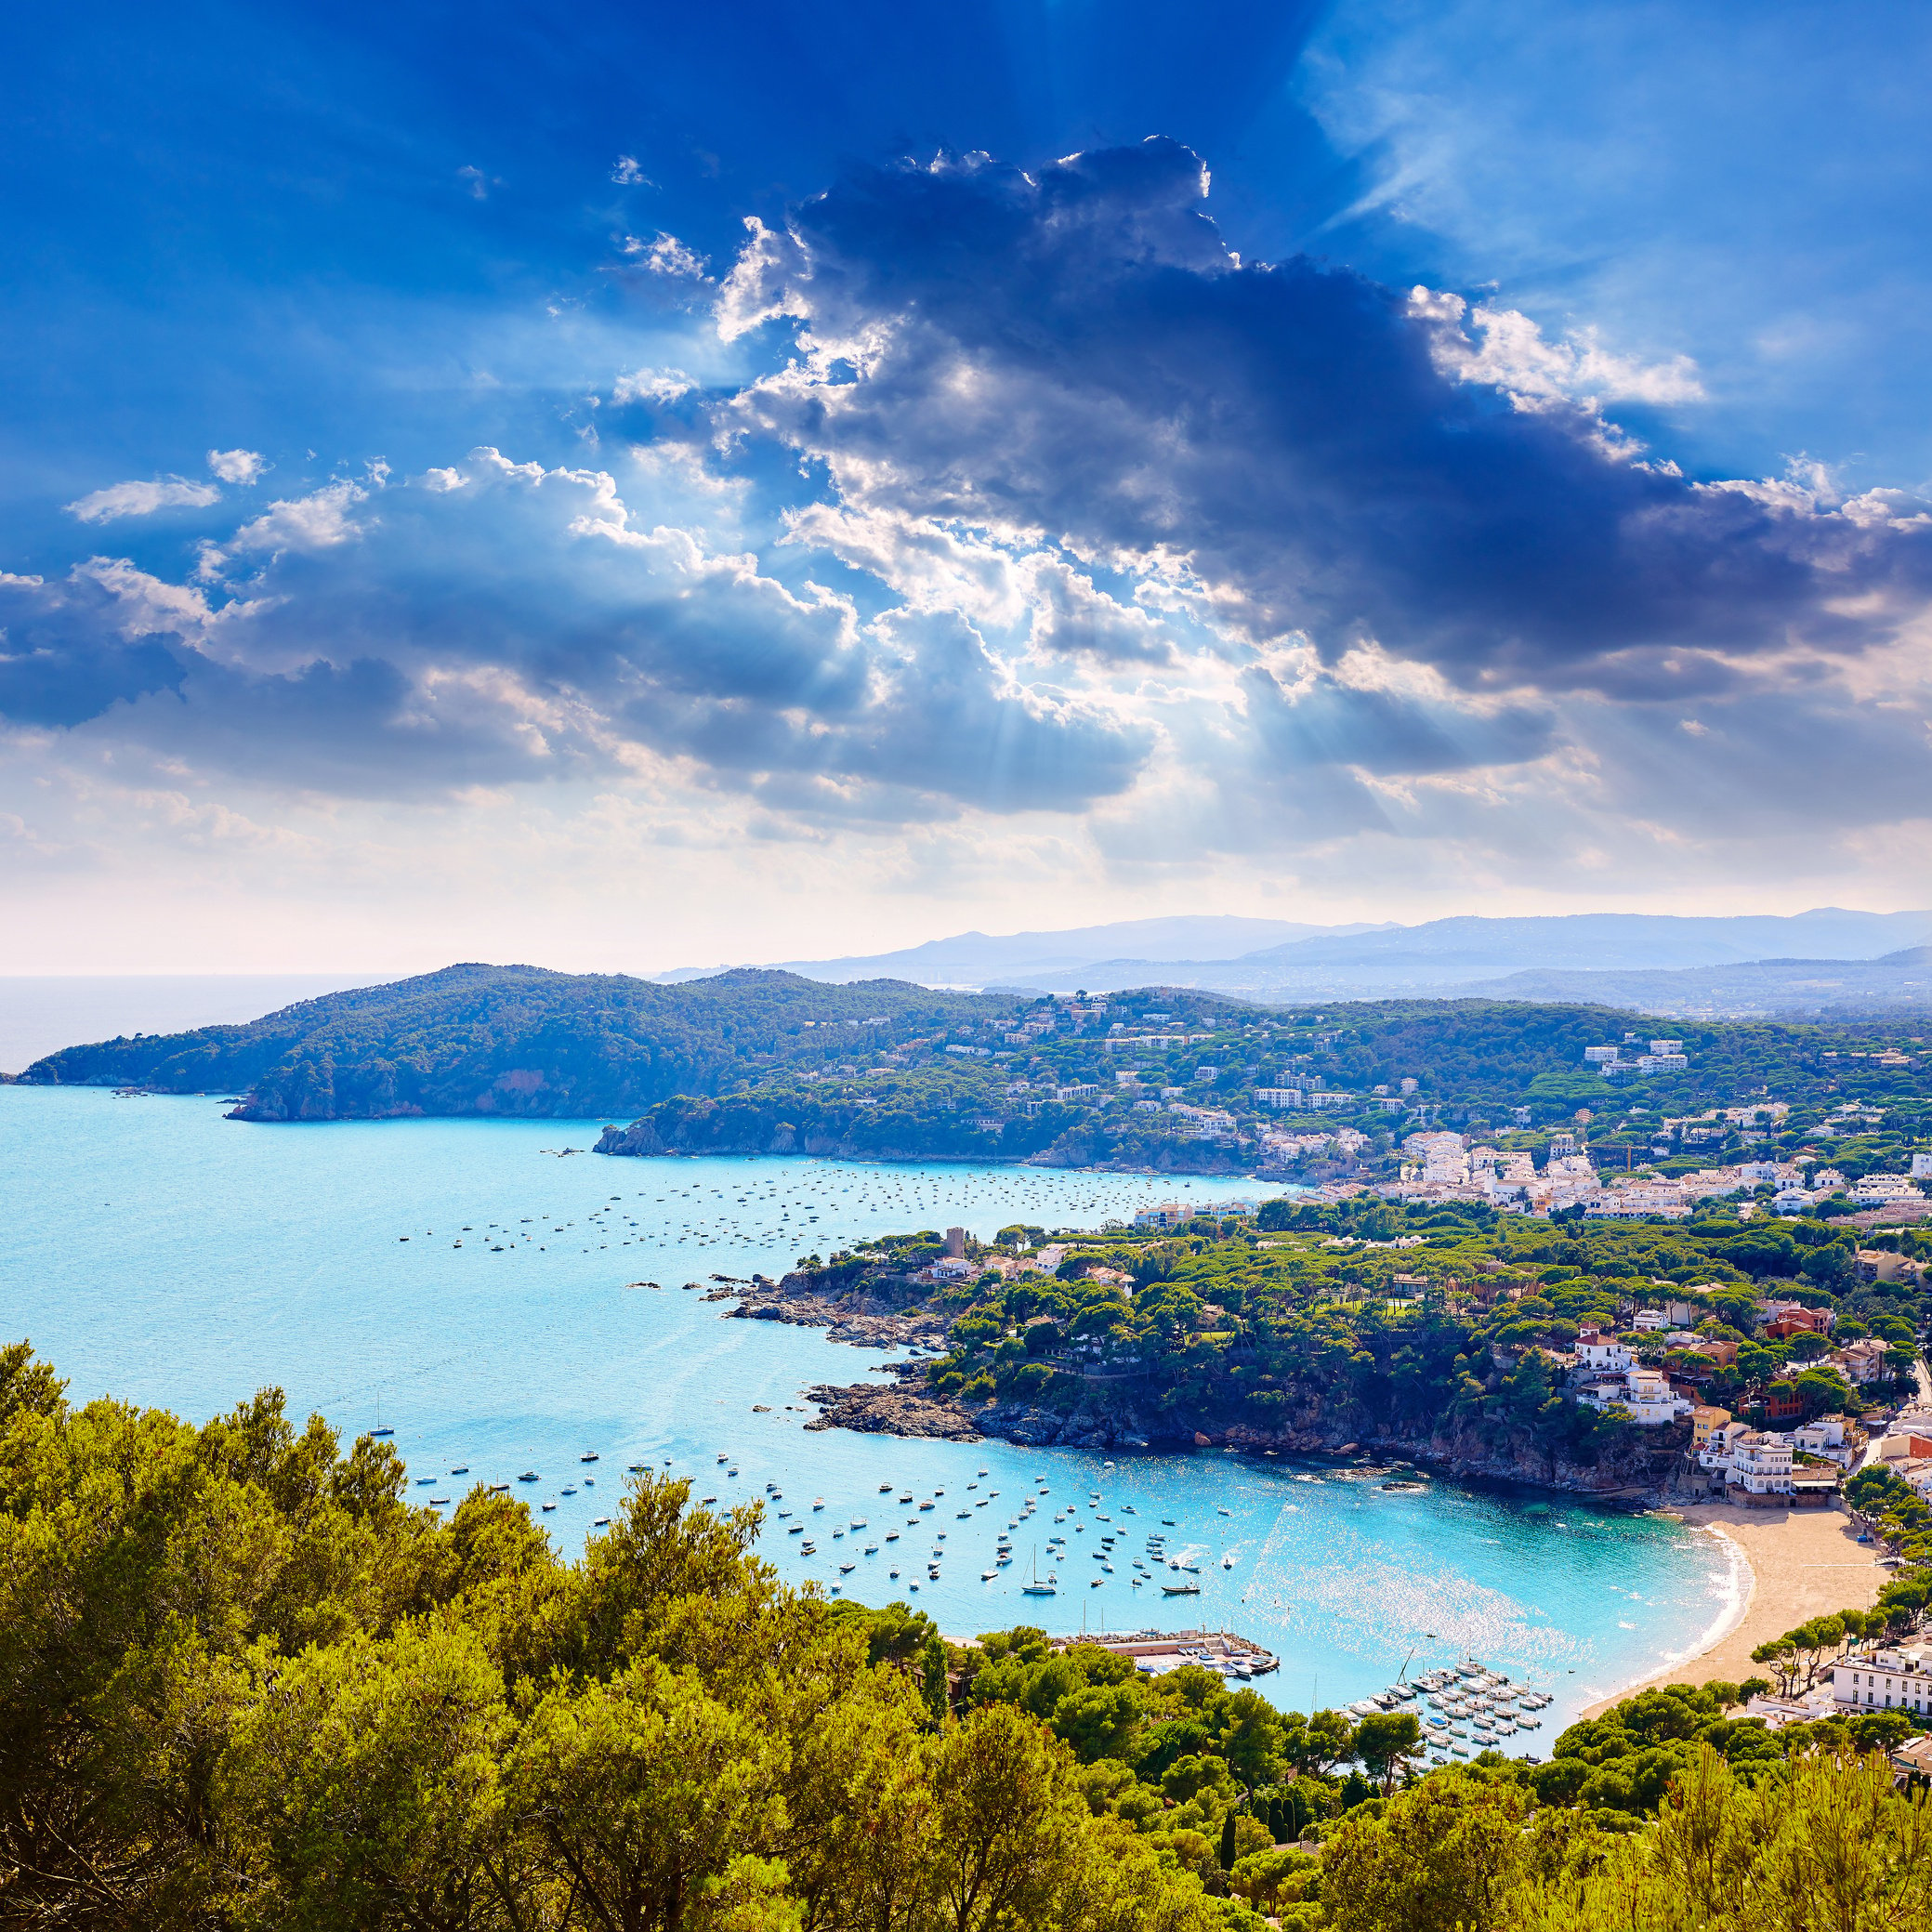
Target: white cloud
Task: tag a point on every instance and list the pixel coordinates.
(652, 386)
(1515, 357)
(667, 255)
(142, 499)
(627, 174)
(236, 466)
(318, 521)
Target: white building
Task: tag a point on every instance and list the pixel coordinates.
(1885, 1678)
(1882, 1189)
(1639, 1200)
(1601, 1354)
(1440, 1158)
(1760, 1464)
(1646, 1393)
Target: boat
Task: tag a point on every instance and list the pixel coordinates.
(806, 1549)
(461, 1470)
(986, 1576)
(1180, 1589)
(435, 1500)
(589, 1455)
(885, 1488)
(1036, 1588)
(567, 1490)
(529, 1476)
(548, 1507)
(845, 1568)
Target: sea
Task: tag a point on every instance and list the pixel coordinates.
(518, 1310)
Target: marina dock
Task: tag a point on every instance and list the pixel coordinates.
(1156, 1650)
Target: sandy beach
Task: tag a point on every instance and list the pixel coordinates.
(1801, 1563)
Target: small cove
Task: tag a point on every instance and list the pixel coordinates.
(161, 1253)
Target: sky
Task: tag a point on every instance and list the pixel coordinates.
(631, 487)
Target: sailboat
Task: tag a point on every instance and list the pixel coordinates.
(378, 1430)
(1036, 1588)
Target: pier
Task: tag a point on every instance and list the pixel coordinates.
(1156, 1650)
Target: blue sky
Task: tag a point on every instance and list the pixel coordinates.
(645, 485)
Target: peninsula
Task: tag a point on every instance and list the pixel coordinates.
(1620, 1358)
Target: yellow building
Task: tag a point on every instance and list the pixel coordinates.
(1704, 1421)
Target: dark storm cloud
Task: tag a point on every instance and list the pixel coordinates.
(1075, 352)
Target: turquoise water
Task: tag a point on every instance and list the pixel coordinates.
(161, 1253)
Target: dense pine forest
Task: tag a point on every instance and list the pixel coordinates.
(243, 1684)
(1435, 1330)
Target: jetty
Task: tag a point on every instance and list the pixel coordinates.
(1155, 1650)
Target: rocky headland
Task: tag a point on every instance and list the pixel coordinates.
(879, 1309)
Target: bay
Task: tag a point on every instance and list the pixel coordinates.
(481, 1288)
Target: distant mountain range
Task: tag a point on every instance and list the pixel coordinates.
(1763, 989)
(1829, 959)
(972, 959)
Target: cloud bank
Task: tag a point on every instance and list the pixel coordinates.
(1033, 501)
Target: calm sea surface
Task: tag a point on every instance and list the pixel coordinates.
(159, 1253)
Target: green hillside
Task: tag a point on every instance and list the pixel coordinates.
(514, 1041)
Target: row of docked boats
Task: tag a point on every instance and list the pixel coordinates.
(1461, 1706)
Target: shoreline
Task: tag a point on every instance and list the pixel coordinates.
(1794, 1564)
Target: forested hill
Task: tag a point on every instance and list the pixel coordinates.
(1161, 1078)
(517, 1041)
